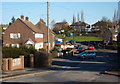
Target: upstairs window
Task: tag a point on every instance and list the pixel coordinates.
(38, 35)
(15, 35)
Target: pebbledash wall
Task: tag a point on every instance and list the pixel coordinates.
(12, 64)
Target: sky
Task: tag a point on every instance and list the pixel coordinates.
(93, 11)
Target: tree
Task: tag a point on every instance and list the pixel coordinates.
(52, 24)
(64, 20)
(13, 19)
(105, 19)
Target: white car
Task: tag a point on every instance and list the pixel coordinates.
(87, 54)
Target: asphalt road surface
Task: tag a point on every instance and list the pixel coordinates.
(72, 69)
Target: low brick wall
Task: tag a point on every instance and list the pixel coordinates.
(12, 64)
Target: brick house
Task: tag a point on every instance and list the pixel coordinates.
(23, 32)
(80, 26)
(109, 30)
(42, 26)
(59, 27)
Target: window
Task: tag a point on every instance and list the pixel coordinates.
(37, 35)
(15, 35)
(15, 45)
(38, 45)
(7, 45)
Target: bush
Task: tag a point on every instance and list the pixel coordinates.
(14, 52)
(10, 52)
(69, 49)
(43, 59)
(54, 54)
(42, 49)
(56, 48)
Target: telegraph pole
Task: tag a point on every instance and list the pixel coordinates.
(48, 25)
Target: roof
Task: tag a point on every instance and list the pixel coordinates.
(62, 23)
(31, 26)
(79, 24)
(99, 23)
(42, 26)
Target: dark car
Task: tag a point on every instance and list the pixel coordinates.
(79, 50)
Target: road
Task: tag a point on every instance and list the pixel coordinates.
(71, 69)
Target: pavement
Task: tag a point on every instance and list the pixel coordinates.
(5, 75)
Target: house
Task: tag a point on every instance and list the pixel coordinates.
(4, 26)
(23, 33)
(59, 27)
(41, 25)
(108, 29)
(80, 26)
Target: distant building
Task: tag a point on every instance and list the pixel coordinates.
(108, 29)
(59, 27)
(81, 26)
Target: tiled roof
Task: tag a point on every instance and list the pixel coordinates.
(44, 28)
(100, 23)
(79, 24)
(31, 26)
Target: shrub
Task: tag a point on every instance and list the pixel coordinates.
(42, 49)
(43, 59)
(10, 52)
(56, 49)
(14, 52)
(69, 49)
(54, 54)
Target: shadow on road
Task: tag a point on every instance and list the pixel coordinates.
(103, 61)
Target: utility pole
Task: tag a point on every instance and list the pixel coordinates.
(48, 25)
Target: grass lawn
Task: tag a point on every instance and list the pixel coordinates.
(82, 38)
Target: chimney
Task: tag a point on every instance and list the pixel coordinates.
(22, 17)
(42, 21)
(27, 18)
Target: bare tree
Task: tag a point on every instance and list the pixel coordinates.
(52, 24)
(105, 19)
(64, 20)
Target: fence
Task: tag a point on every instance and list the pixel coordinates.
(12, 64)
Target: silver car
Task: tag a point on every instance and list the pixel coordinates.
(87, 54)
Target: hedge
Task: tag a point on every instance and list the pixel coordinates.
(14, 52)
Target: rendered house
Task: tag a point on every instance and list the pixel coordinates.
(23, 32)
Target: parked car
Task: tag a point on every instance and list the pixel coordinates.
(87, 54)
(80, 49)
(91, 47)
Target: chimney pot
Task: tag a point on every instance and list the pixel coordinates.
(22, 17)
(27, 18)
